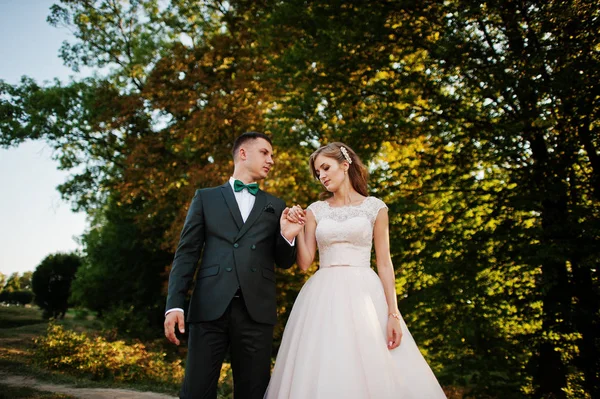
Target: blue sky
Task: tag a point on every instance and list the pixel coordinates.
(34, 221)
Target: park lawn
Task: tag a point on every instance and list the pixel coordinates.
(19, 326)
(8, 391)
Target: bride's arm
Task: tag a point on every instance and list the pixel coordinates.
(385, 269)
(306, 242)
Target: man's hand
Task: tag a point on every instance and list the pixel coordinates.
(290, 229)
(174, 318)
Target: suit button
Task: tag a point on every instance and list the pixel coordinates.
(236, 245)
(253, 269)
(253, 246)
(229, 269)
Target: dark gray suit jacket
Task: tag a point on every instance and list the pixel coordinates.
(234, 254)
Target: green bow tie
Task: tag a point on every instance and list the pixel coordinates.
(239, 186)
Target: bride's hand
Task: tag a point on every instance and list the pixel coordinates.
(297, 215)
(394, 331)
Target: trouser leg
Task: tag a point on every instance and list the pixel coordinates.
(251, 346)
(207, 346)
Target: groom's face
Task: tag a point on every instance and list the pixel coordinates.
(257, 158)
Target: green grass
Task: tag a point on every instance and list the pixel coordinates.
(8, 391)
(19, 316)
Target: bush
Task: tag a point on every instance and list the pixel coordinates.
(81, 314)
(51, 283)
(129, 322)
(21, 297)
(95, 357)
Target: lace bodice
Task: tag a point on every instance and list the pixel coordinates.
(345, 234)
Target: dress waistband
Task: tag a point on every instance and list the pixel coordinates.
(338, 266)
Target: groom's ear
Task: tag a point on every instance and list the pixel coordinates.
(242, 154)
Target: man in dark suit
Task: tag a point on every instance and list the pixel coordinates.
(240, 232)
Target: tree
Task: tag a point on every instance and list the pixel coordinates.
(51, 282)
(502, 185)
(122, 274)
(17, 290)
(25, 281)
(2, 281)
(13, 283)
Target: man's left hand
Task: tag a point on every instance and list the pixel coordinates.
(290, 229)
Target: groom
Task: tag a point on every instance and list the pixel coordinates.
(239, 232)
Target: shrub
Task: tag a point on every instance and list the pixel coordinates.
(129, 322)
(81, 314)
(95, 357)
(51, 283)
(20, 297)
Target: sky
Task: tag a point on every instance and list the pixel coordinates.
(34, 220)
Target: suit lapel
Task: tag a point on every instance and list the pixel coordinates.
(227, 192)
(257, 209)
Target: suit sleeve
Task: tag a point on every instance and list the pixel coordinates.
(187, 255)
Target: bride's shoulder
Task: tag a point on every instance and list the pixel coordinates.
(315, 206)
(375, 203)
(318, 209)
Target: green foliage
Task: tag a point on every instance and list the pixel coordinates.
(81, 314)
(99, 359)
(51, 282)
(25, 281)
(13, 283)
(16, 290)
(20, 297)
(478, 158)
(132, 322)
(122, 275)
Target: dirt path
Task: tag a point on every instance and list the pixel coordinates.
(84, 393)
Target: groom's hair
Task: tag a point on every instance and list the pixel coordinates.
(247, 136)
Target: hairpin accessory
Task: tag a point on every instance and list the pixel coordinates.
(345, 154)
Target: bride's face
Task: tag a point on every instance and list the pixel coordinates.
(330, 172)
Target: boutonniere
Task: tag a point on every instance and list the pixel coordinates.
(269, 208)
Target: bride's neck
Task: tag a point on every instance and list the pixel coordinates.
(345, 196)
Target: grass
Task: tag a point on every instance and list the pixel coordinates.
(8, 391)
(18, 328)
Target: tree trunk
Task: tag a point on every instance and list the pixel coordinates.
(586, 321)
(550, 377)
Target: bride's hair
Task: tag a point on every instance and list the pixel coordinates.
(357, 172)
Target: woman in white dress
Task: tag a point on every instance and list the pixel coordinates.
(345, 337)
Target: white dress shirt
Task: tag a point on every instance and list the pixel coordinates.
(244, 199)
(245, 202)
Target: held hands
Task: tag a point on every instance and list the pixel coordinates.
(292, 221)
(174, 318)
(394, 331)
(297, 215)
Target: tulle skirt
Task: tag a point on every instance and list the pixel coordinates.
(334, 344)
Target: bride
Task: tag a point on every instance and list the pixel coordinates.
(345, 337)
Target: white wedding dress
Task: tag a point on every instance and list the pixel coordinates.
(334, 344)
